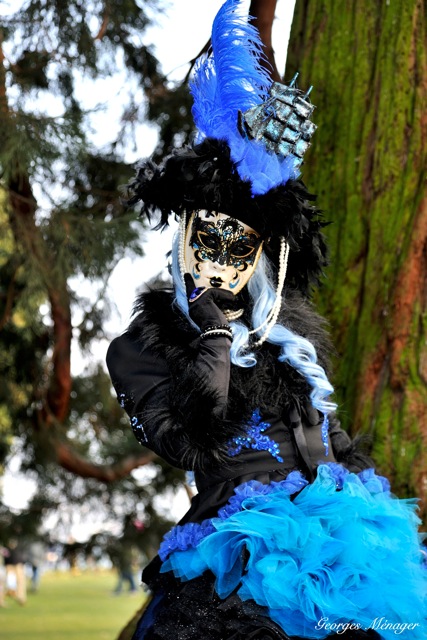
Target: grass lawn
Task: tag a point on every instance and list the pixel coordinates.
(70, 607)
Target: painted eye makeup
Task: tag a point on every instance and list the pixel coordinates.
(241, 250)
(209, 240)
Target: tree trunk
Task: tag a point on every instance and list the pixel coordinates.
(263, 12)
(367, 62)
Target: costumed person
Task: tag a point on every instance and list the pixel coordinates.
(291, 533)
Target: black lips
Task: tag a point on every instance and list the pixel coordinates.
(216, 282)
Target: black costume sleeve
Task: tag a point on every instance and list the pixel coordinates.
(173, 413)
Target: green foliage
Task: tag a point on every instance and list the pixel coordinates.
(24, 525)
(62, 224)
(172, 112)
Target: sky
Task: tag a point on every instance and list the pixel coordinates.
(178, 36)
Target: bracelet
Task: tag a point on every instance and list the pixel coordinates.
(216, 332)
(224, 327)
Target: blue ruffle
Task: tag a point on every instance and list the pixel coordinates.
(186, 536)
(343, 550)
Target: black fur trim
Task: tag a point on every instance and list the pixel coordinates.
(204, 177)
(355, 456)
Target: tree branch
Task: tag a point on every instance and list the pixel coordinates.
(10, 296)
(104, 25)
(263, 12)
(203, 50)
(58, 396)
(27, 235)
(68, 459)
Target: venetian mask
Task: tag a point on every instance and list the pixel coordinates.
(220, 251)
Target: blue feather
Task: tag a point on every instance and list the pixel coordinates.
(231, 79)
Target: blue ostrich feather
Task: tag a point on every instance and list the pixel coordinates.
(231, 79)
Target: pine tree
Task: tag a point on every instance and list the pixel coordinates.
(61, 225)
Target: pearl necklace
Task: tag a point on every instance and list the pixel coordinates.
(273, 314)
(232, 315)
(181, 246)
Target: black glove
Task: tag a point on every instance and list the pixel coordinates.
(205, 305)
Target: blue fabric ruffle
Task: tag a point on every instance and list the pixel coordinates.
(343, 550)
(186, 536)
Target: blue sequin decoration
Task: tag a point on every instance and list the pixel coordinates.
(138, 430)
(325, 430)
(254, 438)
(137, 426)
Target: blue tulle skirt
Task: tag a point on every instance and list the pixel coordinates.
(319, 556)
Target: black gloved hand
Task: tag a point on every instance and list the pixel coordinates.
(205, 305)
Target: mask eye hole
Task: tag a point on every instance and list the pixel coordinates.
(208, 240)
(241, 250)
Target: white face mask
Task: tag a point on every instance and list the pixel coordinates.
(220, 251)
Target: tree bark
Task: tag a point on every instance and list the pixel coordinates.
(22, 208)
(367, 62)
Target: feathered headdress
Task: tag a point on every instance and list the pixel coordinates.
(251, 135)
(235, 100)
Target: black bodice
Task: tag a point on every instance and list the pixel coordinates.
(226, 423)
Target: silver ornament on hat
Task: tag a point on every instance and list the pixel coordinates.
(282, 122)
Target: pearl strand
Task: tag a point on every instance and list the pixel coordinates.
(268, 318)
(278, 297)
(275, 310)
(232, 315)
(181, 248)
